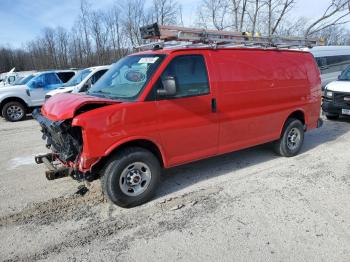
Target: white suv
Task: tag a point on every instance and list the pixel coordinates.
(18, 100)
(81, 82)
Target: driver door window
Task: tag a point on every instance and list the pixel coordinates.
(51, 79)
(37, 82)
(190, 75)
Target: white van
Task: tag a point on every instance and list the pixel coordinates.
(331, 60)
(81, 82)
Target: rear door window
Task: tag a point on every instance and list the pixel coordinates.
(65, 76)
(190, 74)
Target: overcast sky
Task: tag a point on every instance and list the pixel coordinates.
(23, 20)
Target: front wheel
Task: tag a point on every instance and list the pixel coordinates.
(14, 111)
(292, 138)
(131, 177)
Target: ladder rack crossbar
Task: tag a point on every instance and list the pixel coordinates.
(162, 35)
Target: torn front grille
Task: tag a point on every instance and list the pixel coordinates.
(64, 140)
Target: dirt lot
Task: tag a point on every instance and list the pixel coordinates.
(245, 206)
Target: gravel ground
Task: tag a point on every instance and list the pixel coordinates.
(249, 205)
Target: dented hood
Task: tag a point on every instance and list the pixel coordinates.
(65, 106)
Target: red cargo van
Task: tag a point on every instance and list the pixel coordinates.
(162, 108)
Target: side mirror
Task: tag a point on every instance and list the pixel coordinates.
(169, 86)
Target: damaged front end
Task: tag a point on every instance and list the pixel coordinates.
(65, 142)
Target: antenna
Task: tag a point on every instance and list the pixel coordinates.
(162, 35)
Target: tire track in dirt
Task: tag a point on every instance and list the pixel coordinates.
(73, 207)
(161, 217)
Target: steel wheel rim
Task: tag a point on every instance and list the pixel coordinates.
(15, 112)
(293, 138)
(135, 179)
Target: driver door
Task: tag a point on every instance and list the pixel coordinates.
(188, 123)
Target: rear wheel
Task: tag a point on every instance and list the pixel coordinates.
(292, 138)
(332, 116)
(131, 177)
(14, 111)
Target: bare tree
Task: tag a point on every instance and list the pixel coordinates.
(337, 13)
(134, 17)
(62, 40)
(214, 13)
(165, 12)
(292, 27)
(277, 10)
(243, 13)
(235, 6)
(83, 23)
(102, 37)
(99, 29)
(116, 38)
(253, 13)
(50, 46)
(334, 35)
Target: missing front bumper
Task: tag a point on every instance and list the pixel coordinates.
(61, 137)
(54, 171)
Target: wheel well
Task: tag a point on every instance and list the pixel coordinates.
(146, 144)
(10, 99)
(298, 115)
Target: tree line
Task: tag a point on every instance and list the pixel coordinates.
(103, 36)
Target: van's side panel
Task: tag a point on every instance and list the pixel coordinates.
(257, 90)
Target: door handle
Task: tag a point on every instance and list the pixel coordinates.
(213, 105)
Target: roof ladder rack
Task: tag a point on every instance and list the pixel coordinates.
(162, 35)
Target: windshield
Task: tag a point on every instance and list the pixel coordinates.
(345, 75)
(78, 77)
(23, 81)
(126, 78)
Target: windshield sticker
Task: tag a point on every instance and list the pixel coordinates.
(148, 60)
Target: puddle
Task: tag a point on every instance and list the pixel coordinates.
(21, 161)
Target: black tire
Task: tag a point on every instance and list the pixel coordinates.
(117, 165)
(12, 117)
(332, 116)
(285, 146)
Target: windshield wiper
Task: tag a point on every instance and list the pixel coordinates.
(99, 93)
